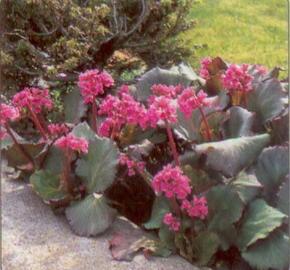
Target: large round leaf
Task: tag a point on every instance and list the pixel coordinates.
(161, 206)
(16, 158)
(54, 160)
(272, 167)
(266, 99)
(98, 168)
(90, 216)
(283, 197)
(83, 130)
(232, 155)
(239, 123)
(74, 107)
(271, 253)
(259, 221)
(47, 185)
(225, 207)
(247, 186)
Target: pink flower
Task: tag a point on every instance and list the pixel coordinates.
(172, 222)
(237, 78)
(106, 127)
(8, 113)
(33, 98)
(261, 69)
(57, 129)
(120, 111)
(132, 165)
(93, 83)
(204, 71)
(161, 108)
(197, 208)
(71, 142)
(172, 182)
(189, 101)
(170, 91)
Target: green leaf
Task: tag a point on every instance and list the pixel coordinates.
(160, 208)
(90, 216)
(54, 160)
(232, 155)
(159, 76)
(271, 253)
(47, 185)
(74, 107)
(247, 186)
(199, 179)
(283, 197)
(166, 237)
(225, 207)
(205, 246)
(98, 168)
(227, 236)
(266, 99)
(16, 158)
(280, 129)
(259, 221)
(272, 167)
(83, 130)
(239, 123)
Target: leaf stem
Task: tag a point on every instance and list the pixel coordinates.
(37, 123)
(207, 128)
(172, 144)
(66, 171)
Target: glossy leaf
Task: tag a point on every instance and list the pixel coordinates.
(98, 168)
(239, 123)
(47, 185)
(271, 253)
(90, 216)
(160, 208)
(259, 221)
(232, 155)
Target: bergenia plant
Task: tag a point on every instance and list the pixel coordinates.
(199, 161)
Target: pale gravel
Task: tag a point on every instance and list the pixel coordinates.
(34, 238)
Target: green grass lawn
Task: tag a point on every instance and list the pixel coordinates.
(240, 31)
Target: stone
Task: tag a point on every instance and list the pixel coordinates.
(34, 238)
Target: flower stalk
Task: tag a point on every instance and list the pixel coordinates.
(172, 145)
(207, 127)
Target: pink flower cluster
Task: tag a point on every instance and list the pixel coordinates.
(8, 113)
(204, 69)
(121, 110)
(237, 78)
(132, 165)
(172, 222)
(196, 208)
(57, 130)
(172, 182)
(71, 142)
(161, 108)
(93, 83)
(33, 98)
(189, 101)
(165, 90)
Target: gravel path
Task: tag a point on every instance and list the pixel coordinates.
(33, 238)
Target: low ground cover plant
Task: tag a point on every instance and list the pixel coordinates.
(200, 160)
